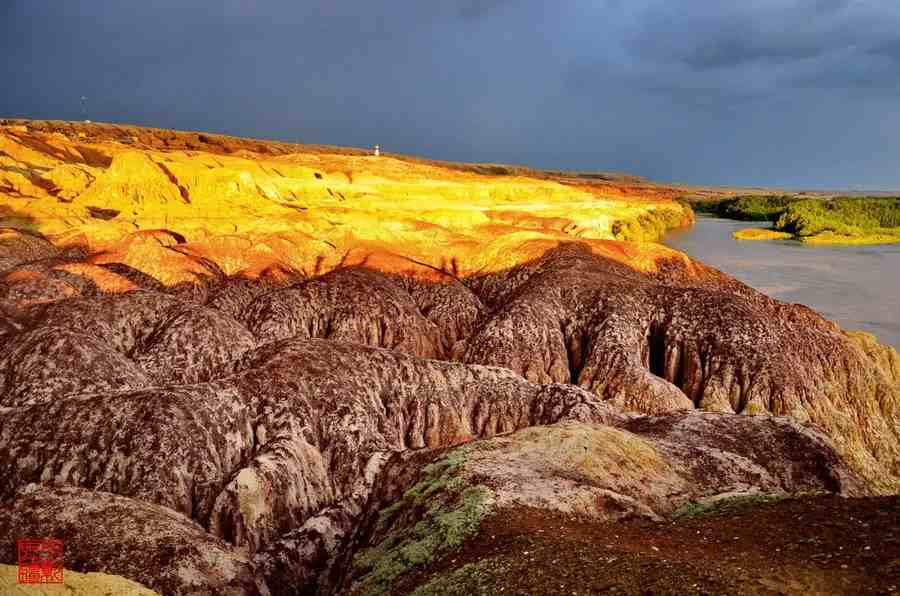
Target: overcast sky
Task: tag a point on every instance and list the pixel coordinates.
(794, 93)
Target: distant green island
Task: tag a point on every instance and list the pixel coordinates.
(832, 220)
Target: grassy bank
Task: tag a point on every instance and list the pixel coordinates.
(840, 220)
(653, 224)
(748, 208)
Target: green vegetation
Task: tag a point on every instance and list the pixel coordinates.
(652, 225)
(695, 508)
(842, 219)
(748, 208)
(472, 578)
(442, 512)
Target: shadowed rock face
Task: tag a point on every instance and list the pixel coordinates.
(323, 429)
(666, 342)
(172, 446)
(275, 445)
(17, 247)
(349, 305)
(191, 345)
(451, 306)
(273, 420)
(233, 295)
(118, 320)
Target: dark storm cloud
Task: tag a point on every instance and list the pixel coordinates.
(716, 35)
(779, 92)
(889, 48)
(729, 35)
(475, 9)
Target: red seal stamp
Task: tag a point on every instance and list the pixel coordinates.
(40, 561)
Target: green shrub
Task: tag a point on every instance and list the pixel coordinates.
(651, 225)
(841, 216)
(749, 208)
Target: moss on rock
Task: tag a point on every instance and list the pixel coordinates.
(473, 578)
(719, 505)
(448, 513)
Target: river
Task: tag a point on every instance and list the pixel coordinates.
(858, 287)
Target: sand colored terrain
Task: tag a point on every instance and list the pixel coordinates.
(74, 584)
(172, 204)
(761, 234)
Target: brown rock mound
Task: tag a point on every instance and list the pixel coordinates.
(654, 343)
(191, 345)
(347, 305)
(121, 321)
(48, 363)
(18, 247)
(293, 439)
(150, 544)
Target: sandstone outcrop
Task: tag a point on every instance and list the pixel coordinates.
(242, 206)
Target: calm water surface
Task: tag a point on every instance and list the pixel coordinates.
(857, 286)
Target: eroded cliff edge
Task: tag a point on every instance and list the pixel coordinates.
(268, 402)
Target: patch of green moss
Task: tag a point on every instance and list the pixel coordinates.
(386, 514)
(450, 513)
(473, 578)
(696, 508)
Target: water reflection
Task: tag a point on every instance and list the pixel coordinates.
(856, 286)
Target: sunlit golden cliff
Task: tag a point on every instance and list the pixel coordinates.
(130, 195)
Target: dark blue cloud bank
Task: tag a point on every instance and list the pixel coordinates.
(800, 93)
